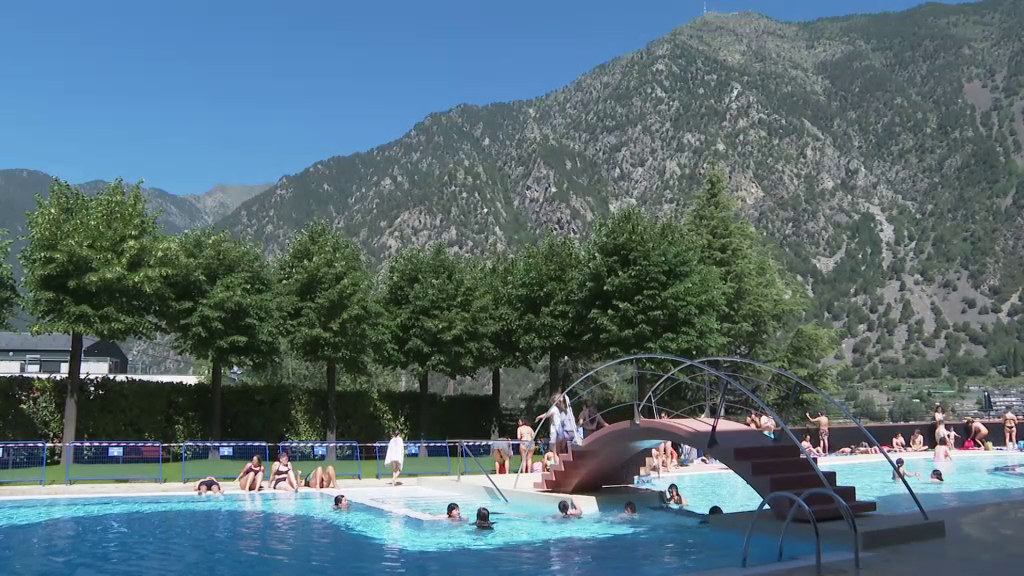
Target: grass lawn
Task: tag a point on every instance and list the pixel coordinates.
(228, 469)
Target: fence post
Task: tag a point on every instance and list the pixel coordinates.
(68, 454)
(462, 451)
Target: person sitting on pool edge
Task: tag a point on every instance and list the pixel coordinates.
(319, 478)
(483, 519)
(917, 442)
(208, 484)
(568, 509)
(251, 477)
(340, 502)
(282, 477)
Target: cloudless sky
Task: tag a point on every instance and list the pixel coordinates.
(191, 93)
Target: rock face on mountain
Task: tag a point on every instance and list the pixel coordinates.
(882, 153)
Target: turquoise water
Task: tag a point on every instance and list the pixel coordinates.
(292, 533)
(969, 479)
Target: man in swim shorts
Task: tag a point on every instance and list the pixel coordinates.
(822, 421)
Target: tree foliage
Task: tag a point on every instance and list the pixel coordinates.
(8, 287)
(433, 314)
(92, 267)
(221, 304)
(547, 284)
(325, 294)
(648, 290)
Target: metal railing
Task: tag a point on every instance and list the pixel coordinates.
(464, 450)
(798, 503)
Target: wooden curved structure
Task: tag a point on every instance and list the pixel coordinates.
(614, 455)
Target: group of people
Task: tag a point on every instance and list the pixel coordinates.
(763, 422)
(282, 477)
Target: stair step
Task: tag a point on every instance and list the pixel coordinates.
(825, 512)
(847, 493)
(766, 452)
(540, 485)
(781, 466)
(799, 481)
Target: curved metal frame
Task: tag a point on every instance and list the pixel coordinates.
(847, 513)
(799, 503)
(835, 403)
(684, 363)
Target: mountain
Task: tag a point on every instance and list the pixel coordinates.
(881, 153)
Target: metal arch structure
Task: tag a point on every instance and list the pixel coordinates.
(717, 395)
(725, 382)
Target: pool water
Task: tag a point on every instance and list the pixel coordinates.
(969, 479)
(291, 533)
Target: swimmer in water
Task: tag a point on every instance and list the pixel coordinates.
(340, 502)
(483, 519)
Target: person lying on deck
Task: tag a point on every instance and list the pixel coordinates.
(319, 478)
(208, 484)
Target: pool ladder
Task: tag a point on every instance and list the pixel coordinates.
(464, 450)
(800, 502)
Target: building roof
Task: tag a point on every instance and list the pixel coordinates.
(42, 342)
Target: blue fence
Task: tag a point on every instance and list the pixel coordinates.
(115, 460)
(306, 456)
(23, 462)
(223, 460)
(422, 458)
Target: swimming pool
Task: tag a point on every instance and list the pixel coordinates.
(971, 478)
(290, 533)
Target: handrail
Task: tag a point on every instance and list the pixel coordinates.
(834, 402)
(844, 509)
(462, 446)
(683, 363)
(796, 500)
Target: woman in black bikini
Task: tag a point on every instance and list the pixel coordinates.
(251, 477)
(320, 478)
(282, 477)
(208, 484)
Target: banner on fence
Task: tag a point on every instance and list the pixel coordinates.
(343, 456)
(22, 462)
(429, 458)
(221, 459)
(116, 460)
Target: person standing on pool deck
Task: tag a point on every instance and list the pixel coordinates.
(554, 416)
(1010, 428)
(526, 446)
(822, 421)
(977, 432)
(395, 456)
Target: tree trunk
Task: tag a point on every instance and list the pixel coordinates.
(71, 402)
(332, 410)
(554, 378)
(424, 399)
(216, 374)
(496, 400)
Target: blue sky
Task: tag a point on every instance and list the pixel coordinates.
(191, 93)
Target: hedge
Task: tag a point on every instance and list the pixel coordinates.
(33, 409)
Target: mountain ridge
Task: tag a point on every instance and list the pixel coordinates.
(880, 152)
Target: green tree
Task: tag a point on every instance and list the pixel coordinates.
(327, 306)
(759, 298)
(548, 299)
(907, 410)
(498, 281)
(91, 267)
(431, 306)
(8, 287)
(646, 290)
(220, 306)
